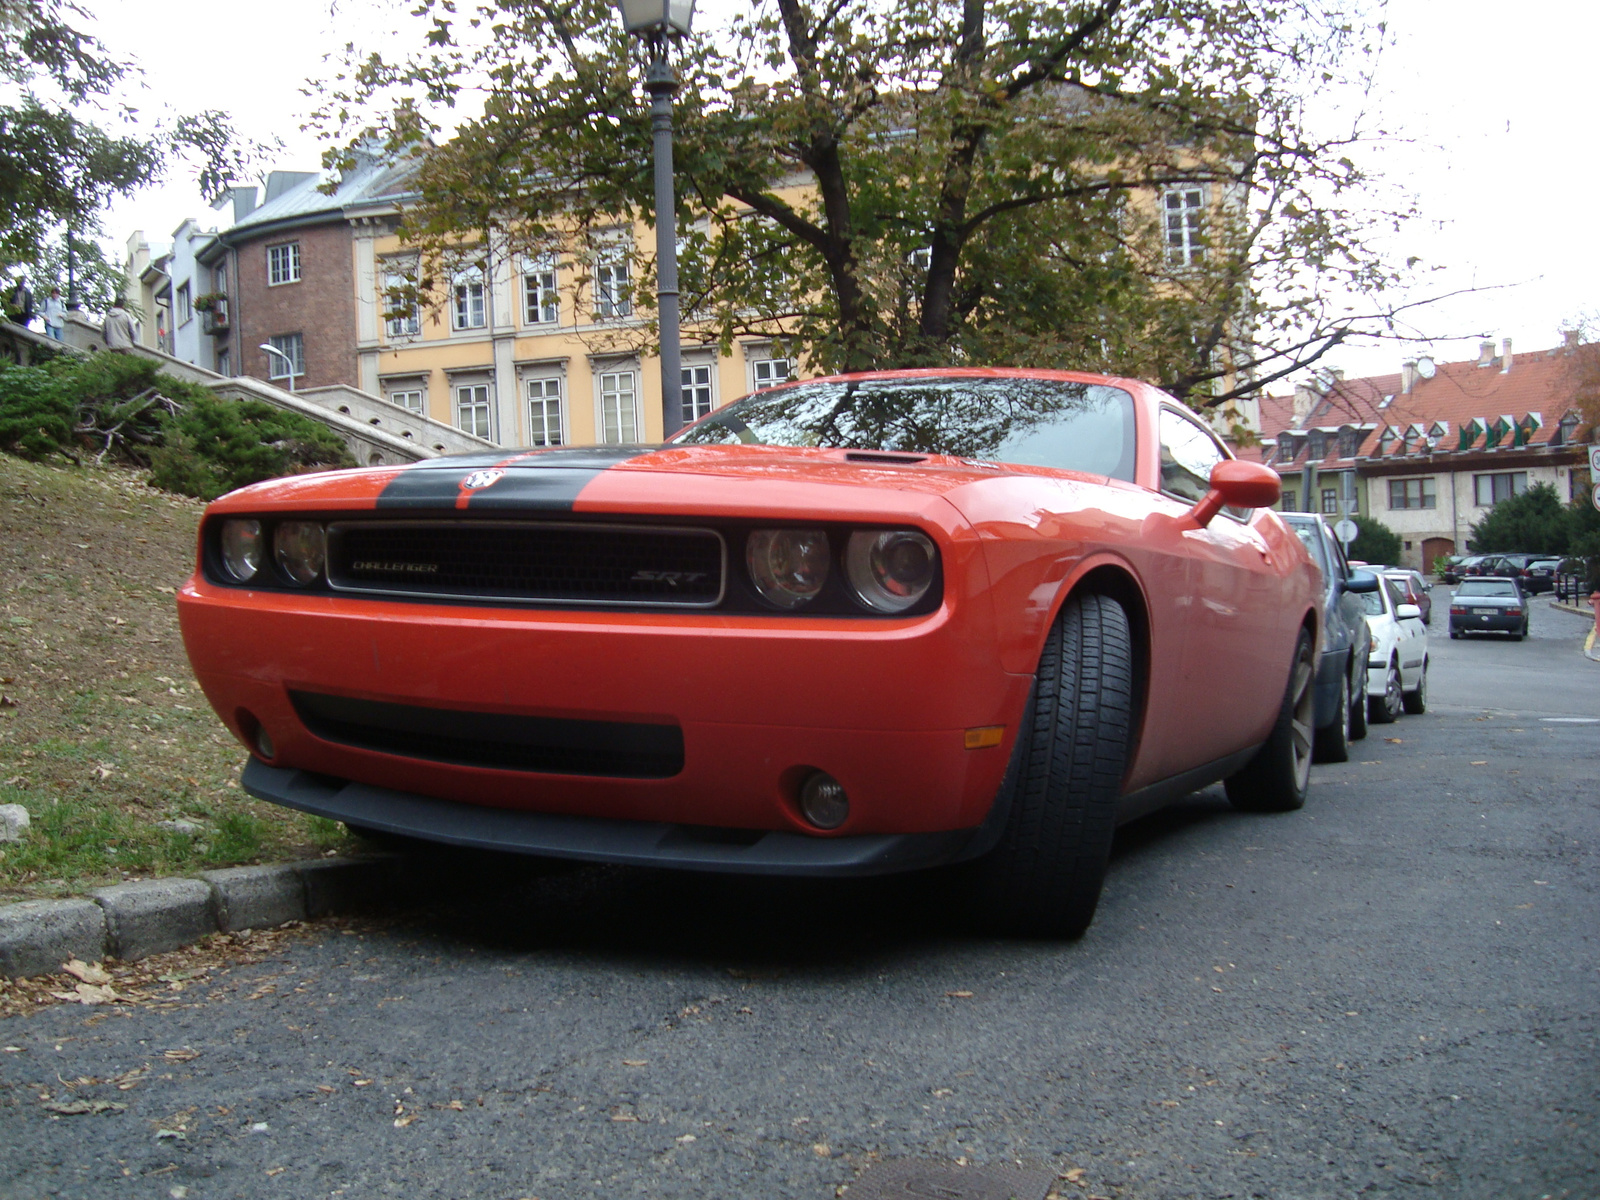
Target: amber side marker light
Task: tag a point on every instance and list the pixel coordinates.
(985, 737)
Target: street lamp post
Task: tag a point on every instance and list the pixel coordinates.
(271, 349)
(656, 21)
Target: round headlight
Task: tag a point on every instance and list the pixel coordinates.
(788, 566)
(241, 548)
(300, 549)
(890, 570)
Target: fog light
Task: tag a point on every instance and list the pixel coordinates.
(823, 802)
(264, 746)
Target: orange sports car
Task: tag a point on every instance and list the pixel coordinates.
(850, 626)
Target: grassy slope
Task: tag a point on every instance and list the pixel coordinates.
(103, 731)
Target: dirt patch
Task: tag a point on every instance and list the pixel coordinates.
(105, 737)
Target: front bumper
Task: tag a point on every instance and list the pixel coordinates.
(630, 843)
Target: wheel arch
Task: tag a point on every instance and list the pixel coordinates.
(1115, 581)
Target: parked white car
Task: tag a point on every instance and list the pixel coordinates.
(1397, 667)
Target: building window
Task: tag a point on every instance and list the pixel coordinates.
(185, 304)
(1316, 446)
(468, 308)
(402, 317)
(1182, 208)
(541, 301)
(1330, 500)
(290, 346)
(1286, 504)
(224, 363)
(1412, 493)
(619, 407)
(1349, 442)
(544, 412)
(1491, 489)
(219, 277)
(1566, 430)
(283, 264)
(612, 296)
(472, 408)
(410, 398)
(696, 392)
(770, 372)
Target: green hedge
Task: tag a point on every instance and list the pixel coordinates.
(121, 407)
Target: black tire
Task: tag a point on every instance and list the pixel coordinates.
(1385, 709)
(1333, 740)
(1416, 701)
(1358, 702)
(1276, 779)
(1455, 634)
(1044, 877)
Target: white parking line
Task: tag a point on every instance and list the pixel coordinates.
(1571, 720)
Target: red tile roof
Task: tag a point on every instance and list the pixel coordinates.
(1541, 383)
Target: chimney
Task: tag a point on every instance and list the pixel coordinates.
(1305, 399)
(1486, 354)
(1569, 339)
(1505, 357)
(1408, 376)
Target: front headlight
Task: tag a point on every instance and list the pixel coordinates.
(300, 548)
(241, 548)
(788, 566)
(890, 570)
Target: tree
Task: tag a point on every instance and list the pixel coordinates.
(58, 168)
(1532, 521)
(922, 182)
(1374, 542)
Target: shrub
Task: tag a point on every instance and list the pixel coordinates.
(1375, 542)
(1532, 521)
(121, 406)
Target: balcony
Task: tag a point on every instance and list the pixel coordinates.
(214, 317)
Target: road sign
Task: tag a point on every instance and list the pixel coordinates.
(1595, 495)
(1346, 531)
(1594, 461)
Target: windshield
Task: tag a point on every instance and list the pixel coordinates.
(1036, 422)
(1487, 587)
(1307, 532)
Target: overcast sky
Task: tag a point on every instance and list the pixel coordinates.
(1493, 103)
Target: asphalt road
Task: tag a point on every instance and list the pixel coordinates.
(1393, 992)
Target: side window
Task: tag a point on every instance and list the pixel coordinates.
(1188, 452)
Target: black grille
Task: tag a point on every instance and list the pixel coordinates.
(552, 563)
(552, 745)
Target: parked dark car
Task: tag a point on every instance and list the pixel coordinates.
(1458, 568)
(1541, 575)
(1489, 604)
(1341, 712)
(1414, 589)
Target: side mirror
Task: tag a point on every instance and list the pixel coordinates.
(1361, 581)
(1240, 485)
(1408, 610)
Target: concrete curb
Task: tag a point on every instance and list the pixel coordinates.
(131, 920)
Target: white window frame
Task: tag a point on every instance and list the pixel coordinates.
(613, 287)
(469, 300)
(698, 393)
(545, 397)
(618, 417)
(472, 401)
(225, 362)
(1182, 221)
(769, 371)
(410, 394)
(184, 304)
(283, 264)
(541, 292)
(291, 344)
(1424, 495)
(406, 325)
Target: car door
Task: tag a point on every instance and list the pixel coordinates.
(1412, 646)
(1229, 648)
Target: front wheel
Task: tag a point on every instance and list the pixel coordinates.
(1333, 740)
(1045, 876)
(1386, 708)
(1276, 779)
(1416, 701)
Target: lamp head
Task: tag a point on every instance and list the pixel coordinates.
(657, 16)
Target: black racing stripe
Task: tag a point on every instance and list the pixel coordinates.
(546, 480)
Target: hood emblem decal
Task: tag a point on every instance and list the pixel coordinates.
(480, 479)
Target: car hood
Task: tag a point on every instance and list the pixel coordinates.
(708, 480)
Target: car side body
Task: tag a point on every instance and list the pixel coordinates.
(1397, 667)
(592, 653)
